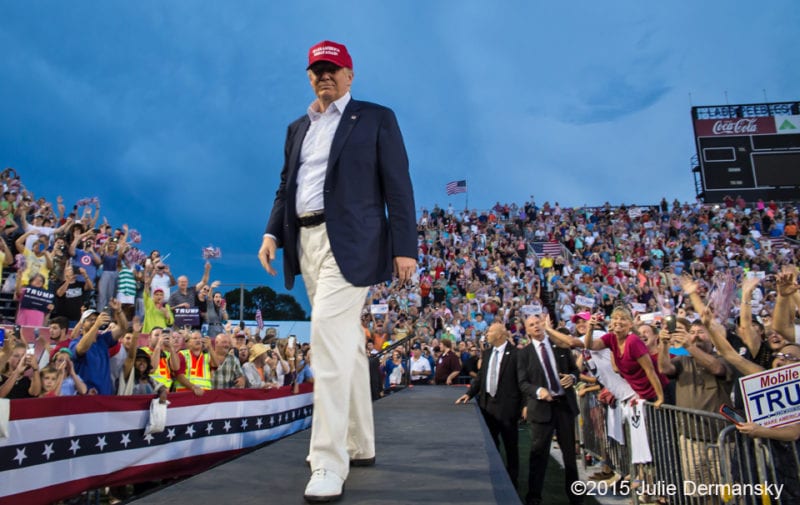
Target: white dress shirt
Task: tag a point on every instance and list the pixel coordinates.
(498, 352)
(549, 349)
(315, 153)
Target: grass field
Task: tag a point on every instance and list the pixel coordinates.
(553, 493)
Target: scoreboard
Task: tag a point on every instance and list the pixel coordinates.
(752, 150)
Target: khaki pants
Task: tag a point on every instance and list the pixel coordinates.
(342, 425)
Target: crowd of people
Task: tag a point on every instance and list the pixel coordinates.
(683, 299)
(91, 295)
(677, 294)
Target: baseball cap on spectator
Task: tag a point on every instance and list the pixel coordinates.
(416, 346)
(67, 351)
(257, 350)
(331, 52)
(581, 315)
(158, 290)
(87, 313)
(142, 354)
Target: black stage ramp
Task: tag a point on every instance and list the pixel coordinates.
(428, 451)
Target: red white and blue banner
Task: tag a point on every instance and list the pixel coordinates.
(59, 447)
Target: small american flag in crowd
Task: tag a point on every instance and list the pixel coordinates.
(547, 248)
(211, 252)
(83, 202)
(259, 320)
(135, 236)
(455, 187)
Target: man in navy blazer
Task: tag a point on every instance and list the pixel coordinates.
(344, 216)
(499, 399)
(546, 375)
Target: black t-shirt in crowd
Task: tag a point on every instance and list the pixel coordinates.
(70, 304)
(20, 389)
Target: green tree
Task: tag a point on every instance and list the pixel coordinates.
(274, 306)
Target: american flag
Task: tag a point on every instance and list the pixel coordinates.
(548, 248)
(259, 320)
(455, 187)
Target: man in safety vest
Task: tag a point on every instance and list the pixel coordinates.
(193, 367)
(160, 343)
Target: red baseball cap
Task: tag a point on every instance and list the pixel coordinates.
(330, 51)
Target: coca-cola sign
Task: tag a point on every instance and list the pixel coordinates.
(742, 126)
(731, 126)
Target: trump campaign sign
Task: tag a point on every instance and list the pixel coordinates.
(772, 397)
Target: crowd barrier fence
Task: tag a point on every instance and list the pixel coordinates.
(696, 457)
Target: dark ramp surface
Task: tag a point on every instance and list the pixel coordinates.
(428, 451)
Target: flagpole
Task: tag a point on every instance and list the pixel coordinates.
(467, 193)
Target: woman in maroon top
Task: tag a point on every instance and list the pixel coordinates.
(632, 359)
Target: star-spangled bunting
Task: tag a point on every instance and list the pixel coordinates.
(37, 453)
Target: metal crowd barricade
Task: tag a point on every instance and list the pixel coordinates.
(694, 454)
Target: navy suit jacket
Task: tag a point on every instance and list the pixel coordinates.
(369, 203)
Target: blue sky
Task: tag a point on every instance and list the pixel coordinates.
(174, 113)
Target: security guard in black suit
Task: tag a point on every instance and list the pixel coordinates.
(499, 398)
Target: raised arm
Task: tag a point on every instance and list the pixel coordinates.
(119, 318)
(560, 339)
(130, 349)
(588, 337)
(20, 242)
(717, 334)
(90, 337)
(783, 315)
(204, 279)
(689, 287)
(746, 331)
(665, 365)
(9, 258)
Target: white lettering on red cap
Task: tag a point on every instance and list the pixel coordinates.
(319, 51)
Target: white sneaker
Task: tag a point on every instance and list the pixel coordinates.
(324, 486)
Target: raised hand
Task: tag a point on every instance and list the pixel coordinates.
(680, 338)
(688, 285)
(749, 284)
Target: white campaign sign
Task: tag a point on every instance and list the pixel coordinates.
(531, 310)
(379, 308)
(772, 398)
(584, 301)
(608, 290)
